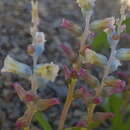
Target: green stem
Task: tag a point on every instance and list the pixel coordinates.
(90, 110)
(40, 117)
(67, 104)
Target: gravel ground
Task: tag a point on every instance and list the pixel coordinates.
(15, 17)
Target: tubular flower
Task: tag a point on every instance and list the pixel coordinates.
(89, 78)
(40, 41)
(47, 71)
(25, 96)
(103, 24)
(102, 116)
(72, 27)
(32, 108)
(11, 65)
(123, 54)
(37, 48)
(85, 94)
(92, 57)
(68, 52)
(112, 82)
(34, 104)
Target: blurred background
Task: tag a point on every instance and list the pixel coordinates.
(15, 22)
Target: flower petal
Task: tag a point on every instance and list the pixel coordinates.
(26, 119)
(72, 27)
(112, 82)
(89, 78)
(94, 58)
(123, 54)
(47, 71)
(26, 96)
(102, 24)
(43, 104)
(11, 65)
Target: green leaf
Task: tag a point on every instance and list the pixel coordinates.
(100, 42)
(76, 128)
(40, 117)
(127, 23)
(114, 105)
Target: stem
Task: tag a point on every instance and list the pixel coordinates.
(106, 72)
(34, 80)
(26, 128)
(67, 104)
(86, 30)
(99, 90)
(90, 110)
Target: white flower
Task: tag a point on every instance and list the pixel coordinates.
(47, 71)
(11, 65)
(94, 58)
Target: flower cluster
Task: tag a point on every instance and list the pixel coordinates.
(47, 71)
(86, 59)
(83, 62)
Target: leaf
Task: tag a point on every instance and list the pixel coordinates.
(100, 42)
(40, 117)
(114, 105)
(127, 23)
(76, 128)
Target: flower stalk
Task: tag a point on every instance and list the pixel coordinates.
(68, 103)
(107, 71)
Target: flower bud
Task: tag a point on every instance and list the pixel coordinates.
(122, 75)
(93, 58)
(20, 124)
(44, 104)
(29, 97)
(97, 100)
(68, 51)
(103, 24)
(81, 124)
(112, 82)
(35, 16)
(123, 54)
(31, 49)
(85, 94)
(102, 116)
(90, 79)
(117, 90)
(25, 120)
(26, 96)
(74, 74)
(11, 65)
(83, 48)
(72, 27)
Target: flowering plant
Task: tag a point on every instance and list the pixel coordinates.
(46, 71)
(98, 87)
